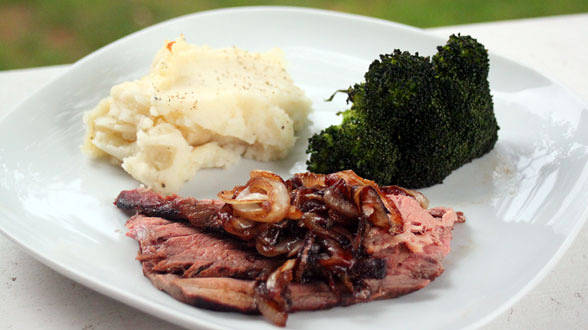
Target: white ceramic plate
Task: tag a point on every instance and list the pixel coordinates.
(524, 202)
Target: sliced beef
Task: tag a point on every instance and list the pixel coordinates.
(228, 283)
(178, 248)
(202, 213)
(275, 246)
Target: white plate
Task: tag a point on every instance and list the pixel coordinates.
(524, 202)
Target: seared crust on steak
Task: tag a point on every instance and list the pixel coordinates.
(202, 213)
(215, 293)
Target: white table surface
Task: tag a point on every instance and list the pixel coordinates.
(33, 296)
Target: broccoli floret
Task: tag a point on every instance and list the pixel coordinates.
(329, 149)
(414, 120)
(462, 66)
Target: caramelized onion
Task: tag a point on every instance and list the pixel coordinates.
(290, 247)
(335, 199)
(294, 213)
(270, 296)
(423, 201)
(240, 227)
(264, 198)
(377, 208)
(303, 258)
(312, 222)
(351, 178)
(308, 200)
(311, 179)
(244, 197)
(338, 256)
(280, 275)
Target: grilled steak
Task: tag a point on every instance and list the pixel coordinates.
(216, 259)
(203, 212)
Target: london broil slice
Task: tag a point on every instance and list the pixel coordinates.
(274, 247)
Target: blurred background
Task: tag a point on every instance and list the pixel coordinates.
(46, 32)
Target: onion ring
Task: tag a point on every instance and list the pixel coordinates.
(264, 198)
(335, 199)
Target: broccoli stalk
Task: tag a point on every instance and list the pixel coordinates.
(414, 120)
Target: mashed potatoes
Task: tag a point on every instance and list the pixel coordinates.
(198, 107)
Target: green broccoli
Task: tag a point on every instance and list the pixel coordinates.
(414, 120)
